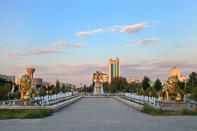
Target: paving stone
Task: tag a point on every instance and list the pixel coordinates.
(101, 114)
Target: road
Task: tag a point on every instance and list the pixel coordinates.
(101, 114)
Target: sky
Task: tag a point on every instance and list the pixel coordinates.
(69, 40)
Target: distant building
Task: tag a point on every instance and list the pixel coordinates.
(8, 78)
(105, 78)
(37, 82)
(133, 80)
(114, 68)
(53, 84)
(44, 83)
(17, 81)
(176, 72)
(61, 84)
(183, 78)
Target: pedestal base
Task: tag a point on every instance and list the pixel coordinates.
(98, 89)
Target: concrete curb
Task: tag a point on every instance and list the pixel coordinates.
(98, 96)
(129, 103)
(61, 105)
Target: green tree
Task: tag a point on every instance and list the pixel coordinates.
(5, 88)
(153, 92)
(57, 87)
(136, 87)
(187, 89)
(141, 92)
(147, 92)
(53, 90)
(194, 94)
(118, 84)
(42, 91)
(85, 88)
(181, 85)
(90, 88)
(63, 88)
(193, 79)
(106, 86)
(128, 88)
(17, 94)
(158, 85)
(145, 82)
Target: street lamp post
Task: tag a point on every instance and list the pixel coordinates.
(109, 87)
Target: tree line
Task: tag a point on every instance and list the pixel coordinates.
(51, 89)
(6, 87)
(146, 87)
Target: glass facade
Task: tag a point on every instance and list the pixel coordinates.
(114, 68)
(117, 66)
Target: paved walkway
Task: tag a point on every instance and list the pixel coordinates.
(101, 114)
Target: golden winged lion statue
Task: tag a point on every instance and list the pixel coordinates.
(25, 85)
(170, 89)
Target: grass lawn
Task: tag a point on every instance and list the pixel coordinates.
(159, 112)
(24, 114)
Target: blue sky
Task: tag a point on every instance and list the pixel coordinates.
(69, 40)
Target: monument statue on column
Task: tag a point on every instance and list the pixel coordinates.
(98, 80)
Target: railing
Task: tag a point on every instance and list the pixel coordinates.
(142, 99)
(48, 100)
(156, 102)
(39, 100)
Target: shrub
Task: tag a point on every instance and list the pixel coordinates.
(42, 91)
(141, 92)
(173, 97)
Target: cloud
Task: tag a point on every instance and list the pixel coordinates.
(15, 55)
(61, 43)
(84, 34)
(87, 33)
(53, 49)
(98, 30)
(144, 42)
(150, 60)
(112, 29)
(130, 29)
(47, 51)
(1, 47)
